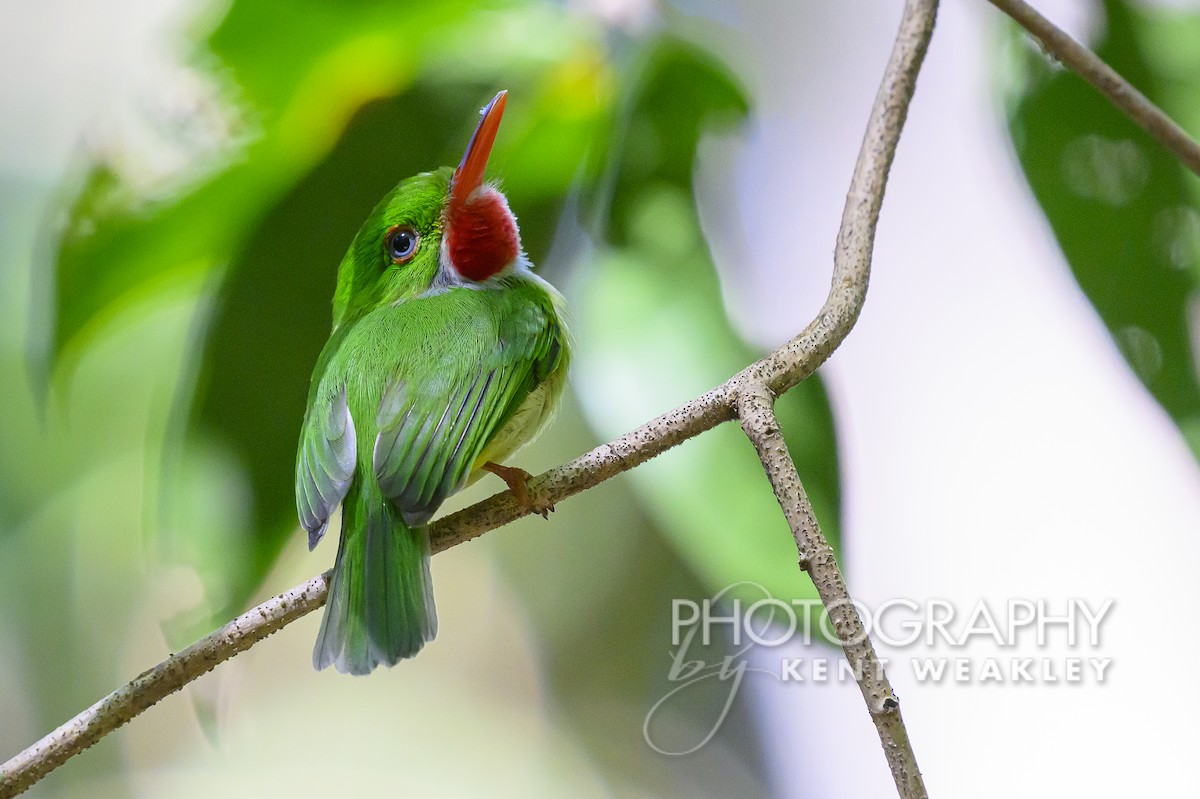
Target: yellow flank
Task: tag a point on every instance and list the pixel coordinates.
(525, 425)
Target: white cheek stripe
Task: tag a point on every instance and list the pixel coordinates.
(448, 274)
(448, 277)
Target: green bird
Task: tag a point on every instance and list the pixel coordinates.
(447, 356)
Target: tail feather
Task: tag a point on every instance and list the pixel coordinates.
(380, 608)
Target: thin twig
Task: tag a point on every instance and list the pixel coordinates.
(780, 371)
(757, 414)
(1118, 90)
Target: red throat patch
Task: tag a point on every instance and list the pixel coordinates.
(482, 238)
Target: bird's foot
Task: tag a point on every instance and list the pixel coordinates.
(517, 480)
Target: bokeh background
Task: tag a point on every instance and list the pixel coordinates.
(1016, 415)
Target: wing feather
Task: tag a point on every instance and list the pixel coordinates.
(421, 457)
(325, 464)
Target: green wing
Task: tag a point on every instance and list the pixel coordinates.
(433, 428)
(324, 463)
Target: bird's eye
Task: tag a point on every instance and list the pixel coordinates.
(401, 243)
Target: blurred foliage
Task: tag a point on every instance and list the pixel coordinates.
(1123, 208)
(188, 308)
(74, 571)
(309, 123)
(654, 334)
(293, 88)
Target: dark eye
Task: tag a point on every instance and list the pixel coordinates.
(401, 243)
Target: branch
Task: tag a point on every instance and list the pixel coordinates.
(1118, 90)
(114, 710)
(757, 414)
(779, 371)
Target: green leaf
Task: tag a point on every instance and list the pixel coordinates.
(1124, 210)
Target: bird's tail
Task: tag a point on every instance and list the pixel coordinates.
(380, 607)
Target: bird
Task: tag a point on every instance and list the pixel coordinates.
(446, 356)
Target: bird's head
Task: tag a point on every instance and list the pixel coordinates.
(434, 231)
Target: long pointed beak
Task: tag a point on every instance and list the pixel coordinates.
(469, 175)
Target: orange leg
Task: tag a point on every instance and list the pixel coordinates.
(517, 480)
